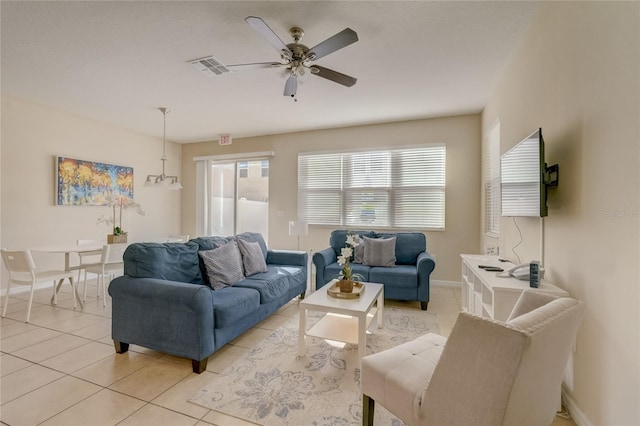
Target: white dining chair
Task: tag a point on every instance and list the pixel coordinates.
(110, 265)
(178, 238)
(87, 257)
(22, 271)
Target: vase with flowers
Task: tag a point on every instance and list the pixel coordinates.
(117, 204)
(346, 276)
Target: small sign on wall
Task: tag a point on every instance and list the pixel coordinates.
(225, 139)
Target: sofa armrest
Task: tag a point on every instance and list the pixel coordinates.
(425, 265)
(321, 260)
(167, 316)
(287, 257)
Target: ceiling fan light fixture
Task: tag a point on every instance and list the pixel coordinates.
(291, 86)
(296, 56)
(162, 180)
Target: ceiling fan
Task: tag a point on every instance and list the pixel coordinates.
(296, 57)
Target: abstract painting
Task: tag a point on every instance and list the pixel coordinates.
(88, 183)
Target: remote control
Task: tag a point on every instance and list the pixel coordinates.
(534, 274)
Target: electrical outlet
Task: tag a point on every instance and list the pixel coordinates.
(491, 250)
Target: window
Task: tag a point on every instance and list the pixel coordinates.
(264, 168)
(402, 188)
(243, 169)
(491, 180)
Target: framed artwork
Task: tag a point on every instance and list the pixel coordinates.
(88, 183)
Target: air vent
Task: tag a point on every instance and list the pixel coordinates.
(210, 66)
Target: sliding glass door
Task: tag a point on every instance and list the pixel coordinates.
(237, 195)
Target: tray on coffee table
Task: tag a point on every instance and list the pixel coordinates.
(334, 291)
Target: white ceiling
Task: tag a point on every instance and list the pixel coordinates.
(117, 62)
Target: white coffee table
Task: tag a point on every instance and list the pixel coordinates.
(346, 320)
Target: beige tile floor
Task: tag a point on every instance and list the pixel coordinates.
(61, 368)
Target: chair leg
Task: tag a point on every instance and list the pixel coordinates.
(30, 302)
(54, 298)
(104, 290)
(84, 292)
(6, 299)
(80, 275)
(75, 293)
(368, 409)
(56, 288)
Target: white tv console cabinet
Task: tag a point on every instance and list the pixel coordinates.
(487, 295)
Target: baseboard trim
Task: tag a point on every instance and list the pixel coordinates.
(17, 289)
(575, 412)
(443, 283)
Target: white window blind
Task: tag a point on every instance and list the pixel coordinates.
(403, 188)
(491, 180)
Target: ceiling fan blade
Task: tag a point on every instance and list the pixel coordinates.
(330, 45)
(267, 33)
(291, 86)
(332, 75)
(255, 65)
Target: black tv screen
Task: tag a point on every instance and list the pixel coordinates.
(522, 178)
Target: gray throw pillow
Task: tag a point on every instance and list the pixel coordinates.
(380, 251)
(358, 251)
(252, 257)
(223, 264)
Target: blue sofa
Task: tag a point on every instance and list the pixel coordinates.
(164, 302)
(408, 279)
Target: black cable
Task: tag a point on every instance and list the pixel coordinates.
(520, 242)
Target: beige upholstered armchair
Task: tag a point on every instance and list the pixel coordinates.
(486, 373)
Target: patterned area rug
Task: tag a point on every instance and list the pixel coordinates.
(272, 386)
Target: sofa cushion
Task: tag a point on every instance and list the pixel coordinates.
(408, 246)
(252, 257)
(272, 284)
(231, 304)
(338, 239)
(333, 271)
(207, 243)
(254, 237)
(400, 276)
(380, 251)
(167, 261)
(358, 250)
(224, 265)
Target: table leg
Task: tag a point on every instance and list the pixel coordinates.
(76, 297)
(380, 311)
(362, 336)
(302, 331)
(54, 298)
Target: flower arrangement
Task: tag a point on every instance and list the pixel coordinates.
(119, 202)
(346, 274)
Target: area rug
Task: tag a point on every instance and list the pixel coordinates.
(271, 385)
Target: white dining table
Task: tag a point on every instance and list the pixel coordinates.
(67, 249)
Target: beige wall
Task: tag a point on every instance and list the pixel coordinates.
(32, 135)
(460, 134)
(577, 76)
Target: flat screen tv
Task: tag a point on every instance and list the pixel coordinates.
(525, 177)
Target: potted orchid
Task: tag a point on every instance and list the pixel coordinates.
(346, 276)
(117, 204)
